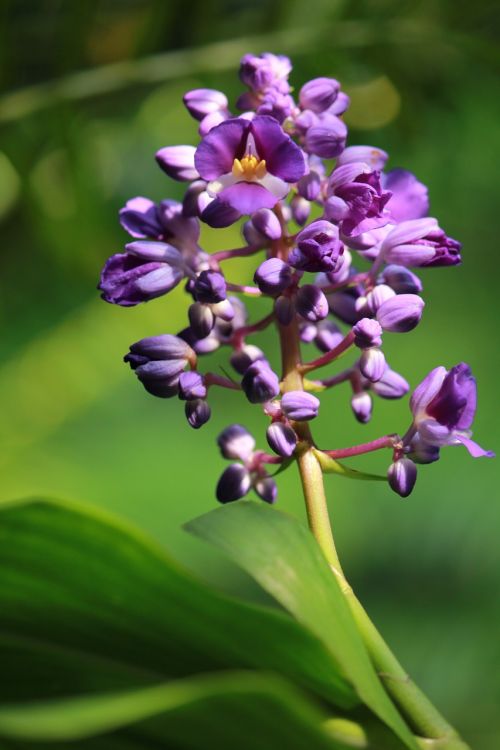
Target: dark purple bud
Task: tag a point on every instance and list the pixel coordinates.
(309, 186)
(201, 319)
(266, 489)
(402, 475)
(241, 359)
(327, 138)
(281, 439)
(367, 333)
(422, 452)
(197, 413)
(361, 405)
(420, 242)
(372, 364)
(178, 162)
(391, 385)
(401, 313)
(301, 208)
(318, 248)
(260, 383)
(164, 347)
(233, 484)
(311, 303)
(191, 386)
(284, 309)
(267, 223)
(299, 406)
(401, 279)
(223, 310)
(319, 94)
(210, 287)
(273, 276)
(236, 442)
(218, 214)
(343, 305)
(202, 102)
(378, 296)
(139, 217)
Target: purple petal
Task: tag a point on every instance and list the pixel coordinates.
(217, 151)
(219, 214)
(427, 389)
(283, 157)
(247, 197)
(410, 199)
(139, 217)
(474, 449)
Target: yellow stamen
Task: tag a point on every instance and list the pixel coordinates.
(249, 168)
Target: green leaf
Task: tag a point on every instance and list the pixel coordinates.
(283, 556)
(88, 604)
(331, 466)
(228, 710)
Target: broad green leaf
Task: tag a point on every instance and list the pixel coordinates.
(89, 604)
(332, 466)
(224, 711)
(283, 556)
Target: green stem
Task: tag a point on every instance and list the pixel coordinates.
(421, 714)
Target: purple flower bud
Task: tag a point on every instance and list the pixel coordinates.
(202, 102)
(343, 305)
(201, 319)
(401, 313)
(139, 217)
(340, 104)
(178, 162)
(421, 452)
(301, 208)
(236, 442)
(190, 205)
(378, 296)
(284, 309)
(309, 186)
(299, 406)
(197, 413)
(391, 385)
(147, 270)
(266, 489)
(359, 198)
(281, 438)
(262, 71)
(318, 248)
(224, 310)
(374, 157)
(273, 276)
(260, 383)
(372, 364)
(326, 138)
(401, 280)
(211, 121)
(241, 359)
(233, 484)
(191, 386)
(311, 303)
(267, 223)
(319, 94)
(328, 335)
(367, 333)
(420, 242)
(402, 475)
(210, 287)
(361, 405)
(164, 347)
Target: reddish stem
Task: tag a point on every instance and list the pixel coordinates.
(260, 325)
(388, 441)
(212, 379)
(243, 289)
(237, 252)
(329, 356)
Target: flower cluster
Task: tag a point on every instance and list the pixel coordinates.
(337, 244)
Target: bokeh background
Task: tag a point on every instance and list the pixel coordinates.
(89, 92)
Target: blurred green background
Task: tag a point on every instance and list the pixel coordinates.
(90, 91)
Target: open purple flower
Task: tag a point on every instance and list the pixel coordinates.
(420, 242)
(248, 164)
(356, 198)
(443, 407)
(165, 221)
(318, 248)
(409, 199)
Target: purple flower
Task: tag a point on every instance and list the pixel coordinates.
(203, 102)
(400, 313)
(145, 271)
(158, 362)
(372, 364)
(309, 186)
(273, 276)
(401, 280)
(248, 164)
(267, 223)
(319, 94)
(318, 248)
(197, 413)
(391, 385)
(325, 334)
(260, 383)
(164, 221)
(281, 438)
(409, 199)
(311, 303)
(326, 136)
(301, 208)
(299, 406)
(241, 359)
(367, 333)
(377, 296)
(402, 475)
(361, 405)
(178, 162)
(210, 287)
(264, 71)
(191, 386)
(236, 442)
(201, 319)
(374, 157)
(420, 242)
(443, 407)
(357, 199)
(233, 484)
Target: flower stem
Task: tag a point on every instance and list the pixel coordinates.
(388, 441)
(424, 719)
